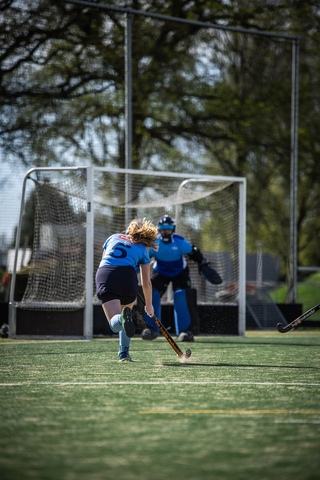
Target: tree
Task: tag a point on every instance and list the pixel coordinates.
(204, 100)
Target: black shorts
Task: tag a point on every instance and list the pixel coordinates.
(115, 282)
(180, 282)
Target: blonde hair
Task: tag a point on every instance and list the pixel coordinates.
(144, 232)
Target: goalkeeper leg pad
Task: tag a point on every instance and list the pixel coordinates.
(157, 310)
(186, 311)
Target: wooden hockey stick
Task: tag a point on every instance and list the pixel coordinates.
(167, 335)
(298, 320)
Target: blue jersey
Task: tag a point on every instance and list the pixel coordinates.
(120, 250)
(170, 261)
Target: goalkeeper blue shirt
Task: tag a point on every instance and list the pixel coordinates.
(170, 261)
(120, 250)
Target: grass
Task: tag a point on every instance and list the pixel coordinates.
(242, 409)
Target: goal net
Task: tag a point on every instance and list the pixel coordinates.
(57, 267)
(77, 210)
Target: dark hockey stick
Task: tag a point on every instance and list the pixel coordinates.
(298, 320)
(167, 335)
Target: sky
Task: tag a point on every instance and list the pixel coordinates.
(11, 181)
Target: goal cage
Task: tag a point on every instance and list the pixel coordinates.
(77, 209)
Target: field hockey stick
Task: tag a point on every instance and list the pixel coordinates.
(298, 320)
(167, 335)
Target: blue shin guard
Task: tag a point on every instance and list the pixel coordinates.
(157, 310)
(124, 342)
(185, 310)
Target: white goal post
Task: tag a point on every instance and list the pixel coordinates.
(77, 208)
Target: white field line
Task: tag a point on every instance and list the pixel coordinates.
(232, 412)
(298, 421)
(18, 384)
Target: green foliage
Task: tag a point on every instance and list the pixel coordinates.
(307, 294)
(204, 100)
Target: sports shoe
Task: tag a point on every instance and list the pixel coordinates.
(126, 320)
(124, 356)
(149, 333)
(186, 336)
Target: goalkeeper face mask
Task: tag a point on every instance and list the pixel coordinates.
(166, 232)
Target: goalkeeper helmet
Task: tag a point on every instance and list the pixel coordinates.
(166, 226)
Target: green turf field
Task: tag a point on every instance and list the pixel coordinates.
(243, 408)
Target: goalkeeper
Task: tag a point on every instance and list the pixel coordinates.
(171, 266)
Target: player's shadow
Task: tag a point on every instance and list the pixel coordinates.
(232, 365)
(270, 344)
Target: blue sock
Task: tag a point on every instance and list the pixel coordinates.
(124, 341)
(115, 323)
